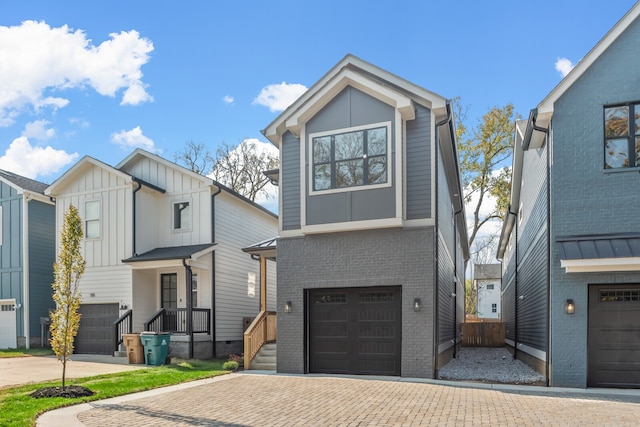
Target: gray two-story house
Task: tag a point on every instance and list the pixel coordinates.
(27, 254)
(570, 244)
(372, 237)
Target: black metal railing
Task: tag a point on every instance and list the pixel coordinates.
(174, 320)
(124, 325)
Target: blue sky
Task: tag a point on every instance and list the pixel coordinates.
(101, 78)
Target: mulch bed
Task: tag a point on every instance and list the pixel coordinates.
(70, 392)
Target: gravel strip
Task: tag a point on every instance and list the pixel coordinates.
(494, 365)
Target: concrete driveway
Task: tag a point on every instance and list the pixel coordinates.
(24, 370)
(247, 399)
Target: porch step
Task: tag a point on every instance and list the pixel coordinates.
(265, 360)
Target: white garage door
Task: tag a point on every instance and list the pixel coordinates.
(8, 323)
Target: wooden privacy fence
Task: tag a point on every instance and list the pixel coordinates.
(483, 334)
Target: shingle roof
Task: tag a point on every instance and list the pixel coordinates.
(622, 245)
(173, 252)
(24, 182)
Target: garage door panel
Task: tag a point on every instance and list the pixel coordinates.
(96, 332)
(355, 331)
(614, 336)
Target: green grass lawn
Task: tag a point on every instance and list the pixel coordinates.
(22, 352)
(18, 409)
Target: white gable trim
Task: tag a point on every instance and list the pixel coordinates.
(347, 78)
(85, 161)
(547, 104)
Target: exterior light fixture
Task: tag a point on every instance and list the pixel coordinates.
(417, 304)
(287, 307)
(570, 307)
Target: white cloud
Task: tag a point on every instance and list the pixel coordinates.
(133, 138)
(278, 97)
(43, 59)
(38, 130)
(563, 66)
(228, 99)
(27, 160)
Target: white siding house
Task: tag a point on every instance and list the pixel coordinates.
(488, 290)
(153, 231)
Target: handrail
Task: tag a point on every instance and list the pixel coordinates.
(122, 324)
(174, 320)
(261, 331)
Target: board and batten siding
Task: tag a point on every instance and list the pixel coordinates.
(42, 255)
(290, 184)
(104, 285)
(11, 262)
(418, 165)
(238, 225)
(179, 186)
(114, 195)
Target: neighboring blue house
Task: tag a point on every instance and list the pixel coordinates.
(372, 234)
(571, 239)
(27, 254)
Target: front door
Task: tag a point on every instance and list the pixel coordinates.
(169, 297)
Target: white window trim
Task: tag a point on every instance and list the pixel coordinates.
(183, 229)
(387, 184)
(99, 219)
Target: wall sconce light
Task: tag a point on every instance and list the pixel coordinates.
(570, 307)
(453, 294)
(521, 297)
(123, 306)
(417, 304)
(287, 307)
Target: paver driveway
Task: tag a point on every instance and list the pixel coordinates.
(282, 400)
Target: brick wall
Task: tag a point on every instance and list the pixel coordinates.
(388, 257)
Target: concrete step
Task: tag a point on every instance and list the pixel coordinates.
(265, 360)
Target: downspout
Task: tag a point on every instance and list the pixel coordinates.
(455, 281)
(213, 272)
(435, 244)
(516, 297)
(189, 274)
(133, 226)
(25, 269)
(548, 260)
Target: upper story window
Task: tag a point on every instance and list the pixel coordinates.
(357, 157)
(181, 216)
(622, 136)
(490, 286)
(92, 219)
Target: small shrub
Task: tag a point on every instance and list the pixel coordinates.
(230, 365)
(239, 358)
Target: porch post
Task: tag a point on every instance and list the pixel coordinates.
(263, 284)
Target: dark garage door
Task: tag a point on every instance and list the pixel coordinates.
(95, 334)
(355, 330)
(614, 336)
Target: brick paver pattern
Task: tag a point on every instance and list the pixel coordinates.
(255, 400)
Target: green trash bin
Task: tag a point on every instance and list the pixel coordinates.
(156, 347)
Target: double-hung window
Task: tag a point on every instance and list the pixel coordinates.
(92, 219)
(622, 136)
(352, 158)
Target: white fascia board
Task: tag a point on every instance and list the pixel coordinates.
(345, 78)
(600, 265)
(139, 152)
(547, 104)
(84, 162)
(352, 226)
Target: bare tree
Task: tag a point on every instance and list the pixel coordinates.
(196, 157)
(241, 168)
